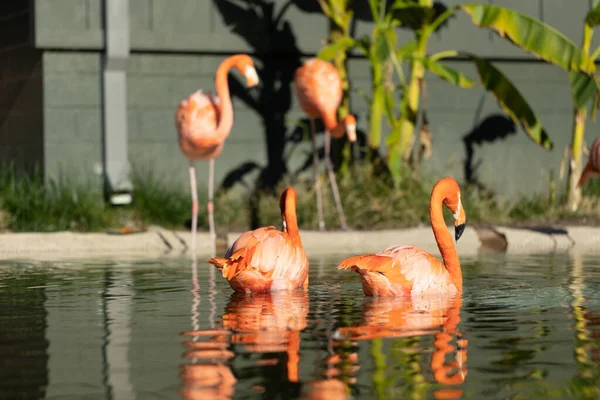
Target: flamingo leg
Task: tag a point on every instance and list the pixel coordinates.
(194, 207)
(331, 174)
(210, 206)
(316, 179)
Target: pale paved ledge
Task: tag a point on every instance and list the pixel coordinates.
(158, 242)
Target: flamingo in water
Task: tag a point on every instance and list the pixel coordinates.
(267, 259)
(407, 270)
(319, 90)
(592, 168)
(203, 123)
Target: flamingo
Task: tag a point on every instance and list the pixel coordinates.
(407, 270)
(267, 259)
(203, 122)
(319, 90)
(592, 168)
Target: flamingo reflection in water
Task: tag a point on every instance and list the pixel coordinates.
(263, 323)
(336, 375)
(207, 375)
(393, 317)
(269, 323)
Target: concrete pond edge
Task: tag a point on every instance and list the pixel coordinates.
(157, 242)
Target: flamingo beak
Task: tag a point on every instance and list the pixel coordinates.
(251, 76)
(252, 82)
(458, 231)
(351, 132)
(254, 92)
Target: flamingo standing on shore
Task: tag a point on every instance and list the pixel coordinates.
(592, 168)
(267, 259)
(319, 90)
(203, 123)
(406, 270)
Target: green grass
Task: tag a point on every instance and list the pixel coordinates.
(369, 203)
(28, 205)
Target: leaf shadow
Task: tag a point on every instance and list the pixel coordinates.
(493, 128)
(271, 37)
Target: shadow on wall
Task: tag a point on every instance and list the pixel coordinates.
(491, 129)
(273, 45)
(21, 110)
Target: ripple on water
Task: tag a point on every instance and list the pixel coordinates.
(525, 326)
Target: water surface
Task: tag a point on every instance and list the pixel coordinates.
(525, 327)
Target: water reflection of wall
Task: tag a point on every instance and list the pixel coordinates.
(155, 348)
(116, 312)
(89, 332)
(23, 344)
(71, 303)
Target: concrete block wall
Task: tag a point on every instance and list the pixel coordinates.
(176, 51)
(73, 116)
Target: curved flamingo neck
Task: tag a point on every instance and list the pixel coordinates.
(288, 211)
(225, 106)
(442, 235)
(333, 126)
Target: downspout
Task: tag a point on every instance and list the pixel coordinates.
(117, 184)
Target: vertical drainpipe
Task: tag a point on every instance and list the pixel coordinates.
(117, 184)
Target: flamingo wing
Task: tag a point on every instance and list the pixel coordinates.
(319, 87)
(196, 120)
(265, 254)
(197, 114)
(426, 272)
(406, 266)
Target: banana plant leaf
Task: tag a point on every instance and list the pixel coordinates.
(511, 100)
(448, 74)
(329, 52)
(583, 88)
(531, 35)
(411, 15)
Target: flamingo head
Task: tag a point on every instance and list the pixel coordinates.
(350, 123)
(251, 76)
(244, 64)
(247, 66)
(451, 193)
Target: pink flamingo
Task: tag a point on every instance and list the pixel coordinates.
(267, 259)
(319, 90)
(592, 168)
(406, 270)
(203, 123)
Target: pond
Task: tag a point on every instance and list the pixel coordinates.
(525, 327)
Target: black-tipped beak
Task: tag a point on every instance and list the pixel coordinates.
(254, 92)
(458, 231)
